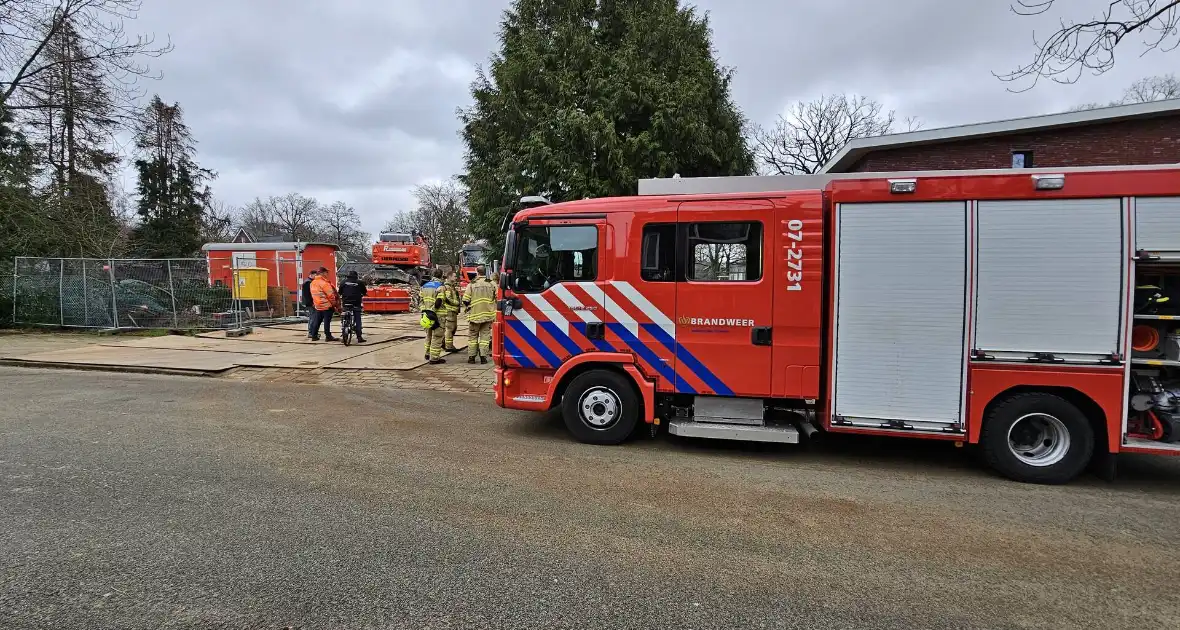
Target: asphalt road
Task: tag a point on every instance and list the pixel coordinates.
(134, 501)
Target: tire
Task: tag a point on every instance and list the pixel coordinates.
(1037, 437)
(346, 332)
(600, 407)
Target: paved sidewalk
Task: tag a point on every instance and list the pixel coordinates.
(454, 376)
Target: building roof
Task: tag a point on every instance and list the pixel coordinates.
(858, 148)
(260, 247)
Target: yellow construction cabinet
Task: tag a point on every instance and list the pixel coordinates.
(250, 283)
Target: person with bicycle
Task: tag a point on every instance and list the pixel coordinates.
(352, 293)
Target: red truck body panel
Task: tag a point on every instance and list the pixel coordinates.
(690, 337)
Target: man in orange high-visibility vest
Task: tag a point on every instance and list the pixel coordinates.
(325, 300)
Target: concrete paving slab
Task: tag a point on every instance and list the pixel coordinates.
(400, 356)
(15, 343)
(273, 335)
(136, 357)
(289, 327)
(309, 359)
(184, 342)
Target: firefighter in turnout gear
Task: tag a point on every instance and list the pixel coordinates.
(448, 313)
(431, 300)
(480, 303)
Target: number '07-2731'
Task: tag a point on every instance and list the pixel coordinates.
(795, 255)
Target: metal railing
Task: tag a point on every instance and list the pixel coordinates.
(134, 293)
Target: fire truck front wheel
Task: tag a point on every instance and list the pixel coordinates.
(1037, 437)
(600, 407)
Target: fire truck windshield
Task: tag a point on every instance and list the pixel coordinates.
(471, 257)
(545, 256)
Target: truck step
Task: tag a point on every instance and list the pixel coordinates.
(785, 434)
(728, 410)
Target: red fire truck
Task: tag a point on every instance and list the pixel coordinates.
(1023, 311)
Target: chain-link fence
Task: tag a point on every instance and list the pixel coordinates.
(140, 293)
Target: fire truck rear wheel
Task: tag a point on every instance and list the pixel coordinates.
(600, 407)
(1037, 437)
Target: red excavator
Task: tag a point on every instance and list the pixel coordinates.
(400, 263)
(407, 252)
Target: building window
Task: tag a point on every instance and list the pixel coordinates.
(725, 252)
(1022, 159)
(658, 259)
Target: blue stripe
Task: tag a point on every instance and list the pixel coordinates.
(561, 338)
(515, 353)
(651, 357)
(602, 344)
(534, 342)
(682, 354)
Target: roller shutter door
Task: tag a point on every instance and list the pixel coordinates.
(900, 313)
(1049, 278)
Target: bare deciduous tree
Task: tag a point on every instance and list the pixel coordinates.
(811, 133)
(291, 216)
(1145, 90)
(217, 224)
(295, 215)
(440, 216)
(341, 225)
(1078, 46)
(1150, 89)
(28, 28)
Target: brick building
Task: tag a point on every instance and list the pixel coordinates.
(1143, 133)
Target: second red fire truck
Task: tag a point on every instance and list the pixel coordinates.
(1030, 312)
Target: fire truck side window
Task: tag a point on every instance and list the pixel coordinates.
(546, 256)
(725, 252)
(658, 259)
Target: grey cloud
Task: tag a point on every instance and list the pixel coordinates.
(355, 99)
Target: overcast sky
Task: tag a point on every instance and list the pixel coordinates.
(355, 99)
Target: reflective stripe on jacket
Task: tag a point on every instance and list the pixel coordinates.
(481, 299)
(323, 294)
(450, 298)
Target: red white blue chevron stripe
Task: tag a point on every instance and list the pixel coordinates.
(550, 328)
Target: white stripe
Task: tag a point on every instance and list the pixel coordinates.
(548, 312)
(657, 316)
(525, 319)
(576, 306)
(609, 305)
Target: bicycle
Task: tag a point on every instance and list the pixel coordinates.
(346, 315)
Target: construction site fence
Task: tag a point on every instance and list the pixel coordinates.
(175, 293)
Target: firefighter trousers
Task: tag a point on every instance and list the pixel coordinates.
(450, 321)
(434, 343)
(479, 339)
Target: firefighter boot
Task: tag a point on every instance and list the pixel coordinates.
(471, 360)
(483, 360)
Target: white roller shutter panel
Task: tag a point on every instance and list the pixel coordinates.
(901, 305)
(1157, 224)
(1050, 277)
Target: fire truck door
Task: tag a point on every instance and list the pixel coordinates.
(723, 296)
(554, 276)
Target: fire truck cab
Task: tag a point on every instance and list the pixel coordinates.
(991, 307)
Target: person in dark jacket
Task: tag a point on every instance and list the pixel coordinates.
(352, 291)
(305, 299)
